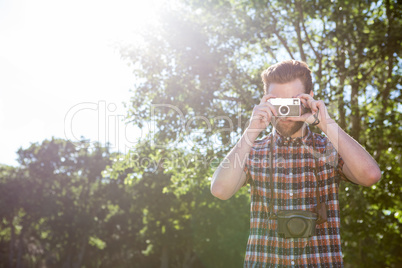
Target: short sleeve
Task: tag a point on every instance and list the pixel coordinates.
(248, 175)
(246, 168)
(340, 167)
(340, 170)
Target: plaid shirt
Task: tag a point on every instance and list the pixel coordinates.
(294, 189)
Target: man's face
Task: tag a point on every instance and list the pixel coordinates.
(288, 90)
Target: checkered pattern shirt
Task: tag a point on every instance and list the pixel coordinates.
(294, 189)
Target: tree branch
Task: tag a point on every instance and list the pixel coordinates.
(284, 44)
(306, 34)
(281, 39)
(296, 24)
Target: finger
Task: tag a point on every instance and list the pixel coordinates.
(320, 104)
(266, 97)
(315, 105)
(304, 96)
(269, 114)
(263, 114)
(304, 102)
(306, 99)
(312, 106)
(270, 107)
(296, 118)
(308, 118)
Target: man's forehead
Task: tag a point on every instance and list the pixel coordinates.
(291, 88)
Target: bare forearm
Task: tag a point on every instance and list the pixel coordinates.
(359, 163)
(228, 177)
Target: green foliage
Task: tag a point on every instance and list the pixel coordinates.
(74, 206)
(182, 221)
(206, 60)
(197, 78)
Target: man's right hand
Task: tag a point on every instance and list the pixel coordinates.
(262, 114)
(229, 177)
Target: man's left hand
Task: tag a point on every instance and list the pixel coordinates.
(318, 109)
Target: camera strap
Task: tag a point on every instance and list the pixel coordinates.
(320, 208)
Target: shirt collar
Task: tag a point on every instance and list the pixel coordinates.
(306, 139)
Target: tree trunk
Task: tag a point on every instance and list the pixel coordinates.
(20, 247)
(12, 242)
(67, 261)
(189, 258)
(165, 257)
(296, 24)
(341, 103)
(82, 252)
(384, 95)
(355, 115)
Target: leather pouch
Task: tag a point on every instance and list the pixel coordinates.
(296, 223)
(322, 213)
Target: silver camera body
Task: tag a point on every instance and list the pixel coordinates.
(286, 107)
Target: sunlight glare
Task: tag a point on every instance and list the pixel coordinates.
(57, 54)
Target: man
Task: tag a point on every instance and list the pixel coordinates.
(293, 169)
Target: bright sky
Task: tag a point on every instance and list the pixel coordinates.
(60, 73)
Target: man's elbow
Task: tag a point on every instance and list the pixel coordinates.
(373, 176)
(219, 192)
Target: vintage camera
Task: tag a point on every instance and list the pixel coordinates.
(286, 106)
(296, 223)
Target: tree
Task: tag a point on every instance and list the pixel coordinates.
(181, 220)
(10, 212)
(199, 77)
(52, 201)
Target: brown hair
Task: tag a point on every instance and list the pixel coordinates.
(288, 71)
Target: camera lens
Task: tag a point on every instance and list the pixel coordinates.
(284, 110)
